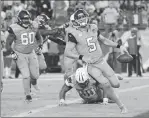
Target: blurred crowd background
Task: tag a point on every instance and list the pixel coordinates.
(118, 15)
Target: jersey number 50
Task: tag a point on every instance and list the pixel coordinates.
(27, 38)
(92, 45)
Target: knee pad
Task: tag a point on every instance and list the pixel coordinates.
(116, 83)
(33, 81)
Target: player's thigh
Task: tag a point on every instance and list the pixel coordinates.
(34, 66)
(109, 73)
(95, 73)
(22, 63)
(41, 61)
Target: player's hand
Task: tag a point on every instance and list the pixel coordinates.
(39, 50)
(14, 56)
(62, 102)
(105, 101)
(123, 50)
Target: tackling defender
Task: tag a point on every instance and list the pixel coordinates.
(88, 89)
(85, 38)
(23, 34)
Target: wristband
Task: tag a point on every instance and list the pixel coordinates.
(80, 57)
(118, 46)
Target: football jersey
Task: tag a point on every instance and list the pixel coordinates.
(66, 36)
(86, 41)
(24, 38)
(91, 93)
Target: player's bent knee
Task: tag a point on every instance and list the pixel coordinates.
(115, 83)
(33, 81)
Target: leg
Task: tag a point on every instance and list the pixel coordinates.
(41, 61)
(2, 69)
(22, 63)
(17, 72)
(130, 68)
(139, 66)
(108, 91)
(34, 69)
(46, 60)
(108, 73)
(134, 62)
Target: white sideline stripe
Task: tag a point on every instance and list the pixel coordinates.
(25, 114)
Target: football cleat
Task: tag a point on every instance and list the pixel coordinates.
(28, 99)
(125, 58)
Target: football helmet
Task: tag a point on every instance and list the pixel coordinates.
(43, 19)
(80, 18)
(24, 18)
(82, 77)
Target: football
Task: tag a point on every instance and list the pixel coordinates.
(124, 58)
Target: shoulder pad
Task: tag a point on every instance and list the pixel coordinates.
(13, 25)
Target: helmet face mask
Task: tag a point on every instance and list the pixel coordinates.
(82, 78)
(24, 18)
(80, 18)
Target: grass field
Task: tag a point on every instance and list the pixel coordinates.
(134, 92)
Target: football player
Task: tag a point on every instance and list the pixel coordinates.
(24, 34)
(41, 23)
(85, 38)
(88, 89)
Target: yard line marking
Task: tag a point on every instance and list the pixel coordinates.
(25, 114)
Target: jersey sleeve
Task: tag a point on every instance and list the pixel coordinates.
(71, 38)
(69, 82)
(10, 30)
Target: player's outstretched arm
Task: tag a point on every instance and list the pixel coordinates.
(107, 42)
(112, 44)
(55, 31)
(62, 94)
(63, 91)
(57, 40)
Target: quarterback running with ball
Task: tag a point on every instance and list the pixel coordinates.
(86, 38)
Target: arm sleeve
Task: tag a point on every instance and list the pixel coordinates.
(71, 38)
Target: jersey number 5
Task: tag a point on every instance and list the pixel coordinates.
(27, 38)
(92, 45)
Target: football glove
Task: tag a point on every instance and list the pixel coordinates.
(14, 55)
(39, 50)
